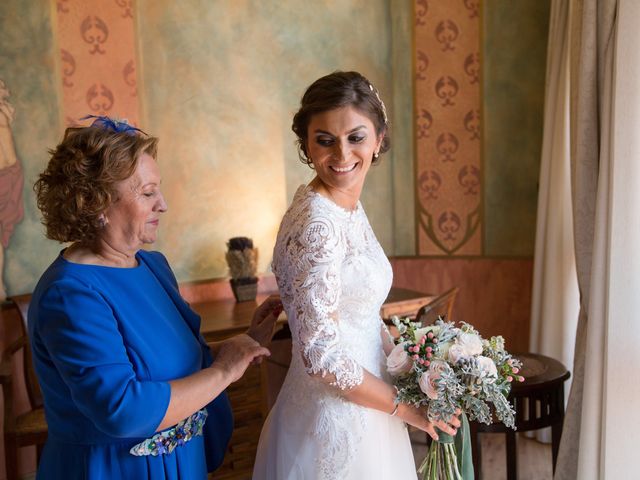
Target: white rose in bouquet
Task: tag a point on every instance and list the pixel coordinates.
(456, 352)
(470, 343)
(428, 379)
(398, 361)
(487, 368)
(443, 349)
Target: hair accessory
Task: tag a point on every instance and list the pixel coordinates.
(384, 109)
(113, 124)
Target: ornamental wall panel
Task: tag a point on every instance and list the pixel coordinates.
(97, 55)
(447, 127)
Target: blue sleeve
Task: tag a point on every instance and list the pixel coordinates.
(219, 425)
(80, 332)
(158, 264)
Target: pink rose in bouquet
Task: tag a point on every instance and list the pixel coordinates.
(398, 361)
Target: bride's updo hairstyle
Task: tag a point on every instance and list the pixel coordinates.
(338, 90)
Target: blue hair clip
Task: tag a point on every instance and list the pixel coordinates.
(116, 126)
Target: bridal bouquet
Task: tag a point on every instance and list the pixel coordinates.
(445, 368)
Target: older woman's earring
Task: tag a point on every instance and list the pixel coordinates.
(102, 220)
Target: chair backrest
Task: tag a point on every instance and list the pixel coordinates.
(21, 302)
(440, 306)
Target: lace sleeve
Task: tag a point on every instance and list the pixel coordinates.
(317, 288)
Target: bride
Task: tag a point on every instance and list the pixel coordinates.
(336, 416)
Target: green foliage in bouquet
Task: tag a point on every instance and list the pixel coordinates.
(462, 378)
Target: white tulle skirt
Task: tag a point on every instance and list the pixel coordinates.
(288, 451)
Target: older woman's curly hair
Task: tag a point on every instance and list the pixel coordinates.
(79, 183)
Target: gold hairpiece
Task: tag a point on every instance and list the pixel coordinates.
(384, 109)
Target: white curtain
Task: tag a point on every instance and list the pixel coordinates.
(610, 421)
(555, 295)
(602, 427)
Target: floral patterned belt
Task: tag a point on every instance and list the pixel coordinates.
(164, 442)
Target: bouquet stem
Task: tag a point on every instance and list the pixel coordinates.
(443, 461)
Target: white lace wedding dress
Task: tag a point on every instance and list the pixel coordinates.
(333, 277)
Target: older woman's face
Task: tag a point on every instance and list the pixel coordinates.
(133, 219)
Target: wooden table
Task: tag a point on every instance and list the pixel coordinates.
(538, 402)
(224, 318)
(403, 302)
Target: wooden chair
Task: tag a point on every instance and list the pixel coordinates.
(440, 306)
(29, 428)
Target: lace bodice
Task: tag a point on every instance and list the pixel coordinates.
(333, 277)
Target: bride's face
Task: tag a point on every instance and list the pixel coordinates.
(341, 144)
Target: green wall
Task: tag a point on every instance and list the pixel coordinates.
(221, 81)
(403, 219)
(27, 67)
(514, 55)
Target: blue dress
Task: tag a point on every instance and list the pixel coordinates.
(106, 341)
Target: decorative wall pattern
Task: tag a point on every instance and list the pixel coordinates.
(11, 180)
(223, 112)
(97, 59)
(447, 127)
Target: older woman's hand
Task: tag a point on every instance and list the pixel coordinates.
(264, 320)
(236, 354)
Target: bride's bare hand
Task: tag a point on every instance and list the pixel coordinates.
(418, 418)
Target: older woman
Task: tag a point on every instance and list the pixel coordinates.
(336, 415)
(131, 390)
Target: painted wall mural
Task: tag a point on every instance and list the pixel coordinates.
(218, 83)
(97, 59)
(447, 128)
(195, 74)
(11, 180)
